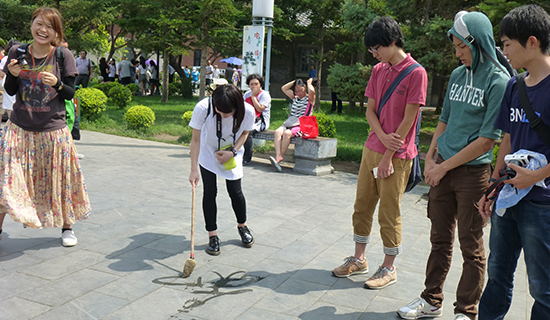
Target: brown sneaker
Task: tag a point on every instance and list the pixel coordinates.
(382, 278)
(351, 266)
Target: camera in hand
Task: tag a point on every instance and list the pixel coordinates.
(521, 160)
(21, 60)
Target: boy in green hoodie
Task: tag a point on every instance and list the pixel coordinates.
(458, 167)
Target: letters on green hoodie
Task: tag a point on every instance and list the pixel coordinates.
(474, 93)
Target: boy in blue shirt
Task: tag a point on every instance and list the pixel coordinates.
(525, 34)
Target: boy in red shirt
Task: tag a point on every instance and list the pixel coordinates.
(390, 148)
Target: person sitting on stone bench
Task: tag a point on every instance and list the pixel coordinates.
(302, 105)
(261, 101)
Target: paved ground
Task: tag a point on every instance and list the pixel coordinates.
(131, 251)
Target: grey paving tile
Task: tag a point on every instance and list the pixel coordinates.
(293, 297)
(70, 287)
(18, 308)
(299, 252)
(90, 306)
(14, 283)
(261, 314)
(64, 265)
(320, 311)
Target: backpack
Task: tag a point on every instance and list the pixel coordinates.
(72, 117)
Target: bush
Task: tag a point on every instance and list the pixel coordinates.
(183, 87)
(107, 86)
(120, 95)
(187, 118)
(327, 128)
(92, 101)
(349, 81)
(140, 117)
(174, 89)
(134, 88)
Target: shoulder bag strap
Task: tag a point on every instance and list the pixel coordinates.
(394, 85)
(535, 122)
(219, 127)
(60, 57)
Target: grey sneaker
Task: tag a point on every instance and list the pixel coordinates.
(351, 266)
(382, 278)
(419, 308)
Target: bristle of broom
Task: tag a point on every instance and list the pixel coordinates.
(188, 267)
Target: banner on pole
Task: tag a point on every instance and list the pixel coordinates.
(253, 52)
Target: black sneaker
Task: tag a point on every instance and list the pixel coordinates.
(213, 246)
(246, 236)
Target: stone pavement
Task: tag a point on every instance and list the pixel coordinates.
(131, 252)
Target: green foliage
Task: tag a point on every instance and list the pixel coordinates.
(349, 81)
(120, 96)
(187, 117)
(139, 117)
(92, 101)
(182, 87)
(134, 88)
(107, 86)
(495, 154)
(327, 128)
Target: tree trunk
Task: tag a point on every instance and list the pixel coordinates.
(204, 51)
(165, 74)
(319, 77)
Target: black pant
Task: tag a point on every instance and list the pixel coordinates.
(248, 144)
(334, 100)
(209, 207)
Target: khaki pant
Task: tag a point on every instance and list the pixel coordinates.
(451, 203)
(389, 192)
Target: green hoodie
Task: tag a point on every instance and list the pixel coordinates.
(473, 94)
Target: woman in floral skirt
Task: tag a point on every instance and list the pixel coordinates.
(42, 185)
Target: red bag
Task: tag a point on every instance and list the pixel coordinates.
(309, 127)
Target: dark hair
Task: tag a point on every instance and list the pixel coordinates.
(257, 77)
(384, 31)
(525, 21)
(10, 44)
(300, 82)
(86, 52)
(227, 98)
(103, 63)
(55, 19)
(142, 62)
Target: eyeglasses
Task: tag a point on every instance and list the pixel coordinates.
(374, 49)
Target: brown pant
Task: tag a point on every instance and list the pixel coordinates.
(451, 201)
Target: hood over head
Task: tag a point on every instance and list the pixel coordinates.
(475, 30)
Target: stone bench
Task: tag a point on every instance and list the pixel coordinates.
(313, 156)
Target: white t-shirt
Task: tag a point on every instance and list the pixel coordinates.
(208, 73)
(264, 98)
(8, 100)
(209, 140)
(216, 73)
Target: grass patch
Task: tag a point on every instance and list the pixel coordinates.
(351, 127)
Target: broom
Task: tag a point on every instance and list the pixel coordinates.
(191, 263)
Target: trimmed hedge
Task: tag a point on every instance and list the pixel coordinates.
(92, 101)
(139, 117)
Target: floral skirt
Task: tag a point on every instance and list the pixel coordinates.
(42, 185)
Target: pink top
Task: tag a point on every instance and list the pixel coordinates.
(411, 90)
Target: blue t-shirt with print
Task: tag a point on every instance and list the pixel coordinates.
(513, 120)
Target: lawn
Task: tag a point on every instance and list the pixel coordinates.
(351, 127)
